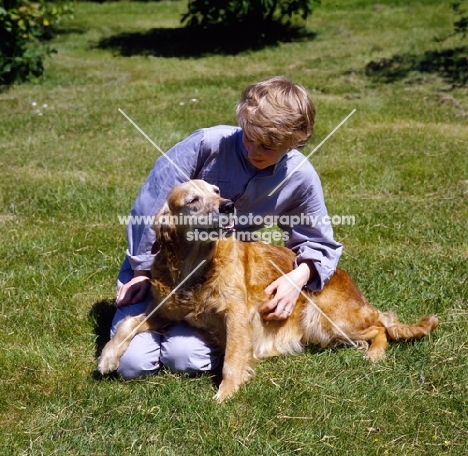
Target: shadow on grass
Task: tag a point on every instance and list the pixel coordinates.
(197, 42)
(449, 64)
(101, 315)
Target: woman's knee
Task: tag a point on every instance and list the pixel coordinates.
(141, 357)
(183, 350)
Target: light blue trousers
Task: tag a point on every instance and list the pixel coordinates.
(180, 348)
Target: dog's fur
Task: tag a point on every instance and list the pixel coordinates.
(223, 296)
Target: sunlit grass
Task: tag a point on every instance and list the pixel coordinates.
(70, 164)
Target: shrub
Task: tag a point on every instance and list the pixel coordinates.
(238, 13)
(25, 26)
(460, 24)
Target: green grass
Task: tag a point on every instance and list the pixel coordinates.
(399, 165)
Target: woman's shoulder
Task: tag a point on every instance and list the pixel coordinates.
(219, 132)
(298, 163)
(213, 139)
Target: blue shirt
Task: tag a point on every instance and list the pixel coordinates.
(218, 156)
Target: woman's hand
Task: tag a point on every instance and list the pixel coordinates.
(286, 290)
(135, 290)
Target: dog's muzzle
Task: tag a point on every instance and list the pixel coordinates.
(223, 220)
(227, 207)
(226, 216)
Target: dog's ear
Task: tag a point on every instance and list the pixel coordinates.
(163, 226)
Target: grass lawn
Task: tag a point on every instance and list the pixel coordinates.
(70, 164)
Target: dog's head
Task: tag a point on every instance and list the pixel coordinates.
(194, 207)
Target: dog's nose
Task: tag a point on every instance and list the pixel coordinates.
(227, 207)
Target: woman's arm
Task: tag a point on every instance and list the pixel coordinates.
(135, 290)
(317, 252)
(285, 291)
(178, 165)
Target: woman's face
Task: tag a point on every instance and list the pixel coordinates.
(261, 156)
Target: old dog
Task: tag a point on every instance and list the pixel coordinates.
(216, 283)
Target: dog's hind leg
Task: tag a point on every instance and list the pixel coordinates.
(115, 348)
(239, 358)
(378, 345)
(377, 335)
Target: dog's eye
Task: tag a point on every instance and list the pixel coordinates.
(216, 190)
(193, 200)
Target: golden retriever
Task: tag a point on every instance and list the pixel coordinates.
(217, 283)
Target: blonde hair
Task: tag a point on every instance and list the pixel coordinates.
(276, 113)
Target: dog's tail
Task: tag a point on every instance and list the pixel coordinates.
(400, 331)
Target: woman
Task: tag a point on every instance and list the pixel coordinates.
(259, 166)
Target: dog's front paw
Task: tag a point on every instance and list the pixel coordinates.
(220, 397)
(225, 391)
(107, 362)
